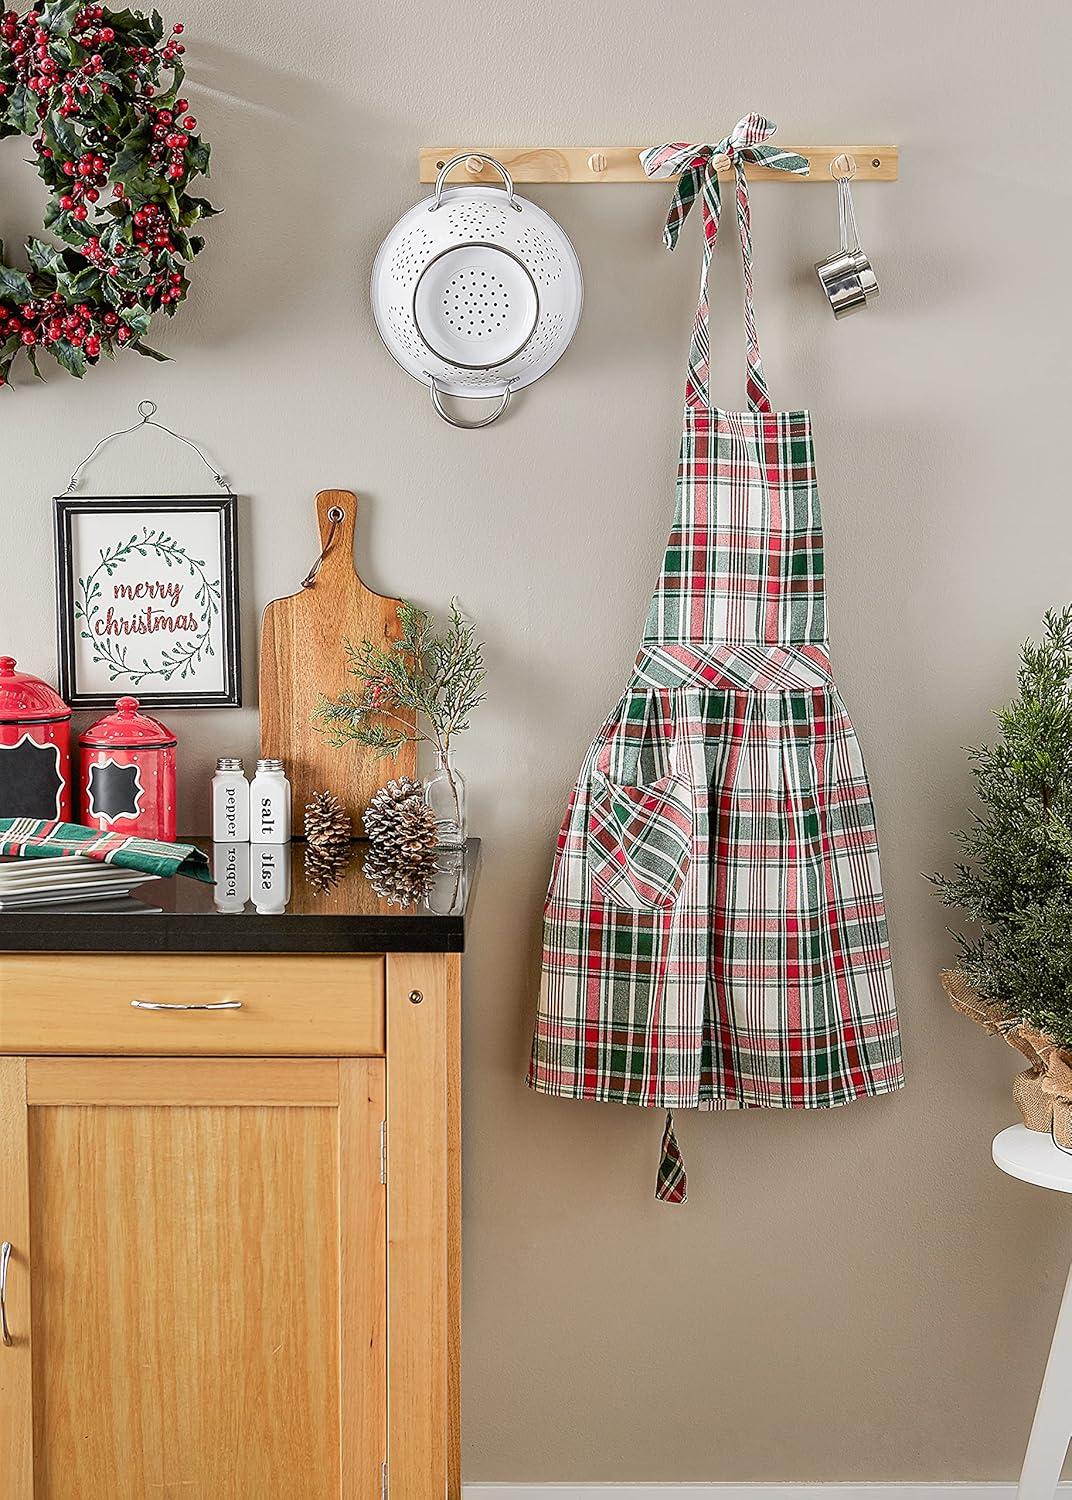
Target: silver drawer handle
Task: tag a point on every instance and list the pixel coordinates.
(5, 1256)
(164, 1005)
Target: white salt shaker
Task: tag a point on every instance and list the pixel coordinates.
(230, 802)
(269, 876)
(269, 804)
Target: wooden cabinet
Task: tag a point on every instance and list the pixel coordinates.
(207, 1248)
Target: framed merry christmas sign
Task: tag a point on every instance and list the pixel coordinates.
(147, 600)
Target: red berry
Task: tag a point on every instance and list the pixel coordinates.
(181, 105)
(28, 337)
(189, 123)
(66, 202)
(81, 212)
(178, 28)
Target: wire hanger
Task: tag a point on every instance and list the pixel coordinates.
(147, 411)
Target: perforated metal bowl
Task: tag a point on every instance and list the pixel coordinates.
(476, 291)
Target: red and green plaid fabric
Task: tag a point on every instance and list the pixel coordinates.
(696, 168)
(715, 933)
(38, 838)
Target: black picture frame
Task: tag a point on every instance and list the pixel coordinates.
(65, 511)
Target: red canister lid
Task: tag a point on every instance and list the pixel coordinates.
(25, 699)
(127, 729)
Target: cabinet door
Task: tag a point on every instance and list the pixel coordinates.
(196, 1287)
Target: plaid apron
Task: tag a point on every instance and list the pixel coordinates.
(715, 934)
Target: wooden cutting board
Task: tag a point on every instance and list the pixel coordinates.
(303, 654)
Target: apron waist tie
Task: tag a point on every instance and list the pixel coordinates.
(672, 1185)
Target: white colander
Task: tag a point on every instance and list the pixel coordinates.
(476, 291)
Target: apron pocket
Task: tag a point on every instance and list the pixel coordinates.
(640, 840)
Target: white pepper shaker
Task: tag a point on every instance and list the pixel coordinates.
(230, 802)
(269, 804)
(230, 867)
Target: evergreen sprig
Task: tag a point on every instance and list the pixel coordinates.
(1014, 882)
(421, 688)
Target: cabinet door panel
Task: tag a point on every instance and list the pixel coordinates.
(16, 1367)
(189, 1259)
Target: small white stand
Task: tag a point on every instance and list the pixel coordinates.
(1032, 1156)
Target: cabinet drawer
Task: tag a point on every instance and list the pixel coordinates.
(287, 1005)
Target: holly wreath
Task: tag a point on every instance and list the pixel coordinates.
(98, 92)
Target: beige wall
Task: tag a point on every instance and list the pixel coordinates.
(847, 1296)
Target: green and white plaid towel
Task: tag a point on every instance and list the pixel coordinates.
(42, 838)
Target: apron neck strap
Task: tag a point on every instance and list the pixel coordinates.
(697, 168)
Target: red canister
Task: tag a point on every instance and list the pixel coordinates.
(35, 747)
(128, 774)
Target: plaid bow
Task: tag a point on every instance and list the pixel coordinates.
(697, 168)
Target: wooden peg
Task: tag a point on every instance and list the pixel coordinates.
(474, 165)
(597, 162)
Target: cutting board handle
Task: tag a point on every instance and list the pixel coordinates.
(336, 515)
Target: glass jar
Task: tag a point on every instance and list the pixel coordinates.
(444, 793)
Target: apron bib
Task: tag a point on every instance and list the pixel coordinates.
(714, 932)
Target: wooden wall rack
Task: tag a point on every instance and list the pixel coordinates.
(622, 164)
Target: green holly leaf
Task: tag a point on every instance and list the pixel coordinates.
(197, 157)
(15, 284)
(136, 318)
(150, 353)
(58, 16)
(171, 93)
(194, 209)
(31, 355)
(70, 356)
(125, 20)
(132, 153)
(44, 257)
(22, 110)
(63, 134)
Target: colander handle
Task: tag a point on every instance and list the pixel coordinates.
(437, 402)
(448, 166)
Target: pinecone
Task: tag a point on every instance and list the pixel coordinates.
(328, 832)
(327, 823)
(398, 821)
(399, 879)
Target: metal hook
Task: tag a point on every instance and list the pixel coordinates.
(147, 409)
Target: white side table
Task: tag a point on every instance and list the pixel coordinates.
(1032, 1156)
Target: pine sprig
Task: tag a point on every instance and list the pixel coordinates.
(1014, 881)
(421, 688)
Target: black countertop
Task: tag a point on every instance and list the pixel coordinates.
(263, 902)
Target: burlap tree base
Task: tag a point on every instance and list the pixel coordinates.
(1043, 1091)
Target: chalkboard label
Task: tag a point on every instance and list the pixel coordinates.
(114, 791)
(31, 785)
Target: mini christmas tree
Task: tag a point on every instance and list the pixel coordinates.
(1015, 882)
